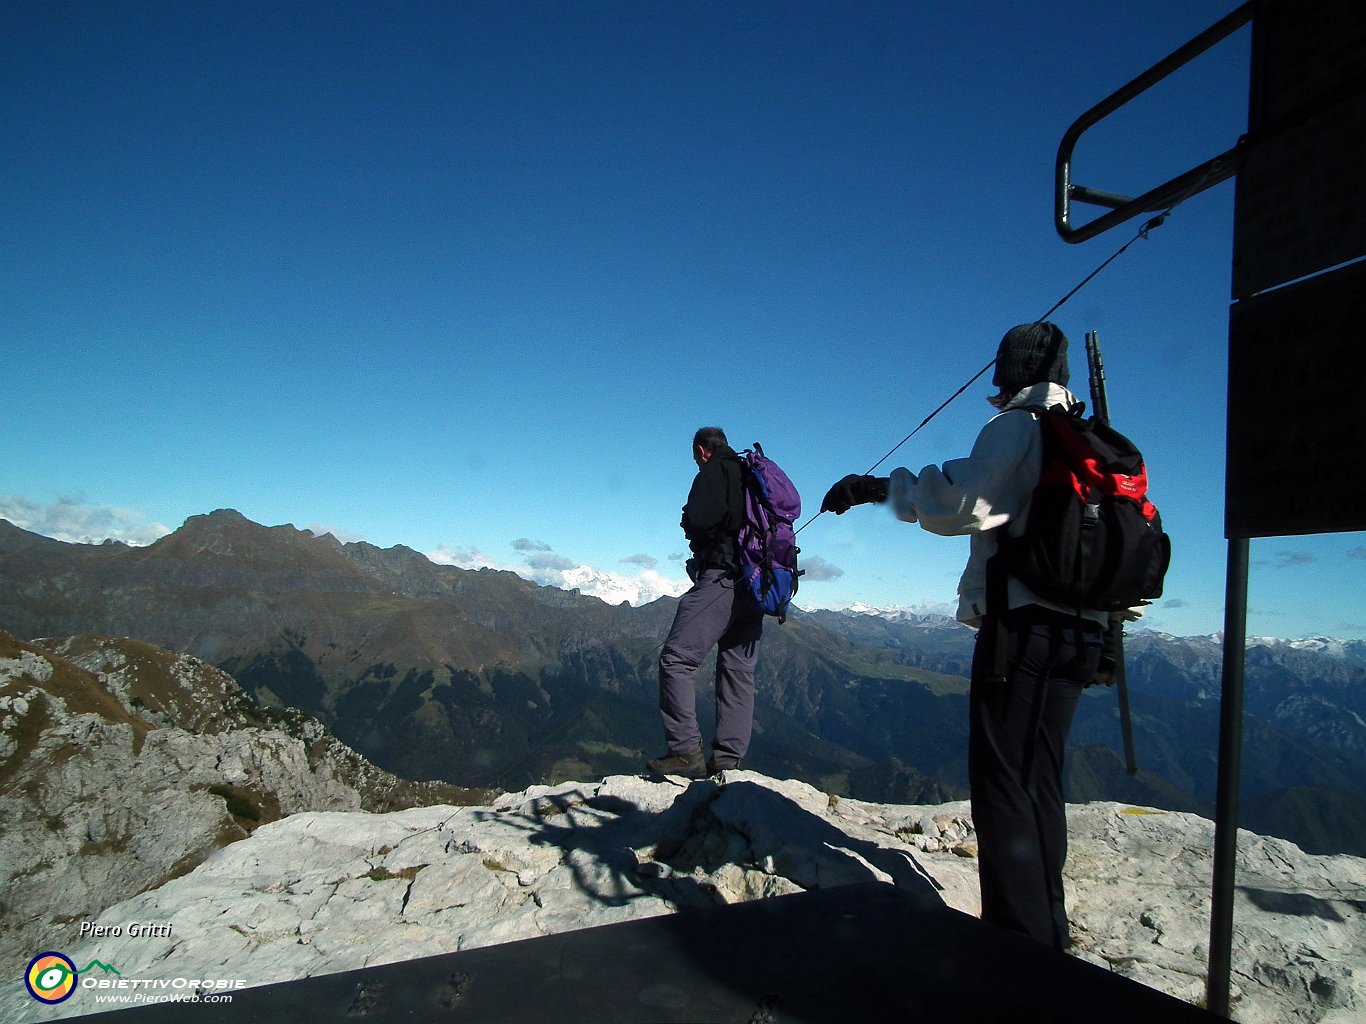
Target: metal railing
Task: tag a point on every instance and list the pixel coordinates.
(1123, 208)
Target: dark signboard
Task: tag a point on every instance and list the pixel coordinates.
(1300, 202)
(1297, 377)
(1297, 408)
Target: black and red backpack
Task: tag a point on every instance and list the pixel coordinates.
(1093, 539)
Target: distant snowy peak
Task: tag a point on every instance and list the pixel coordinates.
(1349, 650)
(604, 586)
(614, 588)
(900, 613)
(1317, 644)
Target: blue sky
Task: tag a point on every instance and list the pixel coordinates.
(466, 276)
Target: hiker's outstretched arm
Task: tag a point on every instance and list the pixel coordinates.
(987, 489)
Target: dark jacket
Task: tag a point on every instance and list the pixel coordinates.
(715, 509)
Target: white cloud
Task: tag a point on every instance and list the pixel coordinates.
(74, 522)
(466, 557)
(817, 570)
(545, 560)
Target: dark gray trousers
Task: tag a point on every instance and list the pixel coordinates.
(1016, 746)
(710, 615)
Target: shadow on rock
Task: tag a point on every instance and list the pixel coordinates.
(752, 826)
(709, 843)
(1297, 904)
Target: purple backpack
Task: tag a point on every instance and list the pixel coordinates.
(767, 545)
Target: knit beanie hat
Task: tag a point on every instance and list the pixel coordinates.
(1031, 354)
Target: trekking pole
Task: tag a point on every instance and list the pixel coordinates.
(1100, 403)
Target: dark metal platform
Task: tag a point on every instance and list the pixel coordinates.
(867, 952)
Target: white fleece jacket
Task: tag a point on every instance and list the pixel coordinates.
(991, 487)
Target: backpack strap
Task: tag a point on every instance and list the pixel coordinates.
(997, 578)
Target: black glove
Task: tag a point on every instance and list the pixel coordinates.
(854, 490)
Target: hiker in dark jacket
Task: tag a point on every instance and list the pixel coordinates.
(1020, 706)
(710, 616)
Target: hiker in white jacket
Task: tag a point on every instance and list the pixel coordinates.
(989, 488)
(1033, 658)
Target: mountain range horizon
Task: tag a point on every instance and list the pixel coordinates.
(607, 587)
(482, 678)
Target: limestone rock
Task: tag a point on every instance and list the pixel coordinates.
(320, 892)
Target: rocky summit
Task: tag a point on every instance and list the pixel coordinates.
(322, 892)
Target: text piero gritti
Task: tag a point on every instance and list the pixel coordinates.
(135, 929)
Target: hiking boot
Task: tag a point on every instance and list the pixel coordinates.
(690, 766)
(715, 767)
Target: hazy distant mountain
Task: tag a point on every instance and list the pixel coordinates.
(485, 679)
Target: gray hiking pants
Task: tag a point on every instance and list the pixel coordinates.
(709, 615)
